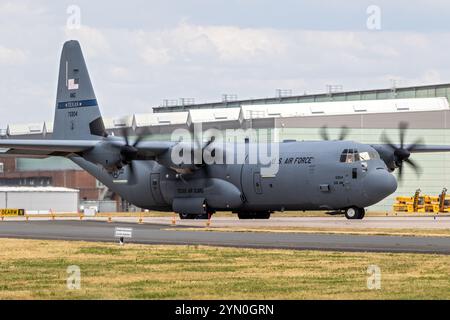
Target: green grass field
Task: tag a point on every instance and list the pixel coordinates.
(329, 230)
(36, 269)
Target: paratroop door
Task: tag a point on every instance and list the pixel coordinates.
(257, 182)
(155, 186)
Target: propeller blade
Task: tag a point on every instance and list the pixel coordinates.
(402, 154)
(195, 140)
(125, 133)
(387, 141)
(211, 140)
(403, 126)
(140, 137)
(413, 146)
(344, 132)
(183, 179)
(414, 165)
(132, 174)
(400, 173)
(131, 168)
(324, 133)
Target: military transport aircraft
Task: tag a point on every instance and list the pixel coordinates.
(339, 175)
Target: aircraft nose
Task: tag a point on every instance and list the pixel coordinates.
(379, 184)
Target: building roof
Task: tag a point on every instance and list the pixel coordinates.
(214, 115)
(160, 119)
(412, 99)
(118, 122)
(36, 189)
(23, 129)
(427, 91)
(286, 110)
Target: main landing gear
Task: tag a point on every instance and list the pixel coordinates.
(355, 213)
(191, 216)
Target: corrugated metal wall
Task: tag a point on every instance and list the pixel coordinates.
(40, 201)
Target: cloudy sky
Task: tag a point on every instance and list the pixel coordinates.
(141, 52)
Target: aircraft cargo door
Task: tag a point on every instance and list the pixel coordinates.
(155, 186)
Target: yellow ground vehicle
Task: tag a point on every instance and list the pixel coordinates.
(423, 203)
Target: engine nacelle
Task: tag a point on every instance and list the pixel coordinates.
(387, 155)
(180, 159)
(106, 155)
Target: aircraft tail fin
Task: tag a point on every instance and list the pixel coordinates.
(77, 115)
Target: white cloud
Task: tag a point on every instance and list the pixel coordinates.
(188, 42)
(25, 11)
(155, 56)
(120, 73)
(432, 77)
(93, 40)
(137, 66)
(12, 56)
(232, 44)
(13, 7)
(428, 77)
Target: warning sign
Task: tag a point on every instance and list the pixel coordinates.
(12, 212)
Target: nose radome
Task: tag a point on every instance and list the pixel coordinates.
(379, 184)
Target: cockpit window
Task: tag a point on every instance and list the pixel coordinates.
(352, 155)
(364, 156)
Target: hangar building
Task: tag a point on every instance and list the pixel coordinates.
(367, 113)
(36, 200)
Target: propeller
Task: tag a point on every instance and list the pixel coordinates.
(342, 135)
(199, 145)
(402, 153)
(129, 151)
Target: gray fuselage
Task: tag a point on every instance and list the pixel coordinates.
(311, 176)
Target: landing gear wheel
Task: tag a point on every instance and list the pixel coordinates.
(355, 213)
(185, 216)
(362, 214)
(351, 213)
(191, 216)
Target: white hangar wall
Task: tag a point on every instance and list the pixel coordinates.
(40, 199)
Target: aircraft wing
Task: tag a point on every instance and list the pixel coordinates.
(430, 148)
(149, 149)
(421, 148)
(44, 147)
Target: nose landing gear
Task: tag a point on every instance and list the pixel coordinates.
(355, 213)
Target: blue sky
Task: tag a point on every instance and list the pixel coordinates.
(141, 52)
